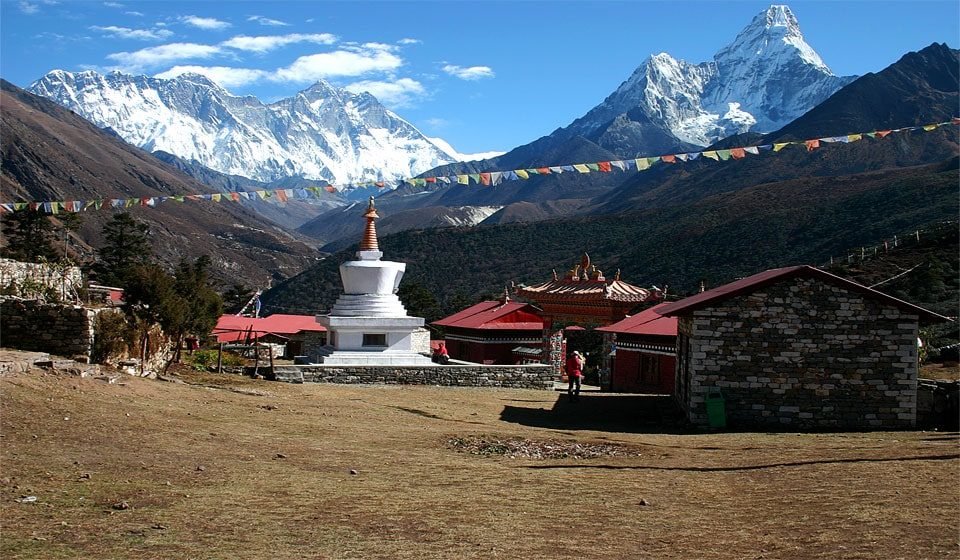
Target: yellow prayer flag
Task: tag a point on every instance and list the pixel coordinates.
(711, 154)
(779, 146)
(522, 174)
(581, 168)
(854, 137)
(463, 180)
(642, 164)
(930, 127)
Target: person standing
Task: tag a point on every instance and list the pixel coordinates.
(575, 374)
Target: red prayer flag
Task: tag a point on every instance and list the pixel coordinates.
(737, 153)
(668, 159)
(604, 166)
(330, 188)
(379, 184)
(431, 179)
(485, 178)
(281, 195)
(543, 170)
(882, 133)
(812, 145)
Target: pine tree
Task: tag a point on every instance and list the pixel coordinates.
(126, 245)
(28, 235)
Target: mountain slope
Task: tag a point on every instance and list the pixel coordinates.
(715, 239)
(320, 133)
(50, 153)
(920, 88)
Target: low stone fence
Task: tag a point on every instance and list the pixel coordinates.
(64, 330)
(531, 376)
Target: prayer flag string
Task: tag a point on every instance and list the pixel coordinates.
(486, 178)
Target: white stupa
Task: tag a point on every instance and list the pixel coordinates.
(369, 325)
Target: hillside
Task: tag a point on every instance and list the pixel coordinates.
(719, 238)
(50, 153)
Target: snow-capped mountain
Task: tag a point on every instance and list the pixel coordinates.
(320, 133)
(767, 77)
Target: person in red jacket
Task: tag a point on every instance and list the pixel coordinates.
(575, 364)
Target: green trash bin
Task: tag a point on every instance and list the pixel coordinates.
(716, 409)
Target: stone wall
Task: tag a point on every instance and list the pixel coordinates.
(519, 377)
(64, 330)
(36, 279)
(802, 353)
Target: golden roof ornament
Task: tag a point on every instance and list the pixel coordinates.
(369, 241)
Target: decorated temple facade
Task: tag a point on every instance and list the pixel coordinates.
(584, 296)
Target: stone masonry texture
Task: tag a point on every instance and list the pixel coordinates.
(520, 377)
(63, 330)
(803, 353)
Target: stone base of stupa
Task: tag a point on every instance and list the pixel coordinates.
(371, 341)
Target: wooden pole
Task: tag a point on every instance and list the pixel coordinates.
(270, 351)
(220, 359)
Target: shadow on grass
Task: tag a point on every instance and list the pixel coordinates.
(604, 412)
(947, 457)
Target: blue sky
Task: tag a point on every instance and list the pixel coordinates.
(483, 75)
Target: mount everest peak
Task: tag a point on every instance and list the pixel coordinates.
(765, 78)
(322, 132)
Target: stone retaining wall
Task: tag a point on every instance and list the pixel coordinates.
(519, 377)
(63, 330)
(802, 353)
(33, 279)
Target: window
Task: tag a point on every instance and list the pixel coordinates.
(370, 339)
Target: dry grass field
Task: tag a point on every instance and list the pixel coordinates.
(231, 468)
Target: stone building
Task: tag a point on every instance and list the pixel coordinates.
(799, 347)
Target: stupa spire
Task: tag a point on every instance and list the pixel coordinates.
(369, 241)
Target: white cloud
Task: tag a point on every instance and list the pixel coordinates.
(395, 94)
(113, 4)
(471, 73)
(28, 8)
(204, 22)
(135, 14)
(266, 43)
(162, 54)
(127, 33)
(224, 75)
(347, 62)
(267, 21)
(409, 41)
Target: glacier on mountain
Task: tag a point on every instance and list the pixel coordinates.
(322, 132)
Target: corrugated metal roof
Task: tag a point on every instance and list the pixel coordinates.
(511, 315)
(647, 322)
(231, 328)
(752, 283)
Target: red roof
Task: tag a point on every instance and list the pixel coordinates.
(647, 322)
(231, 328)
(495, 315)
(772, 276)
